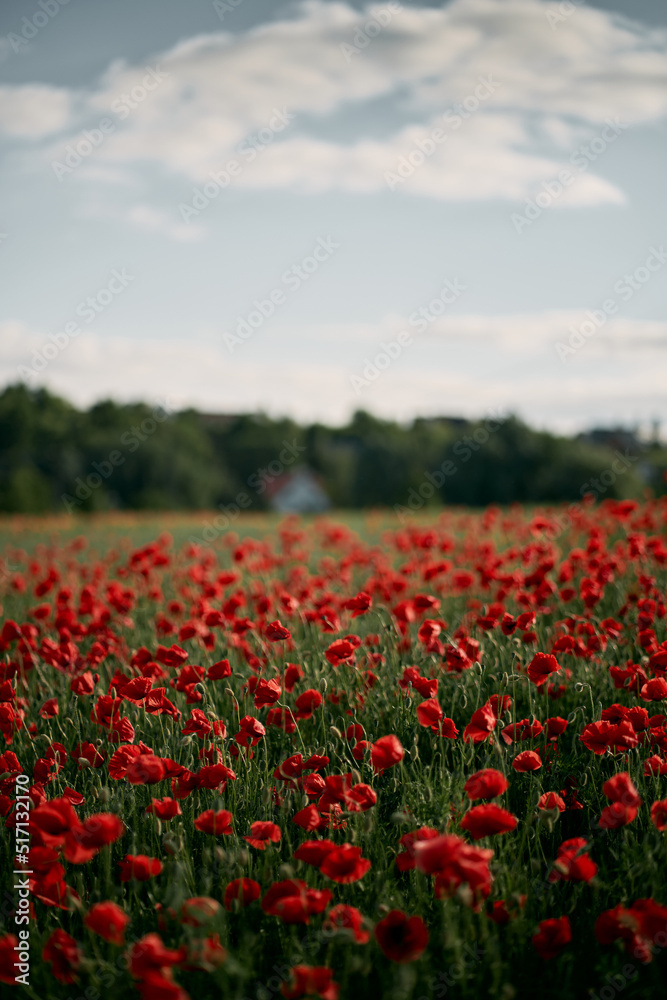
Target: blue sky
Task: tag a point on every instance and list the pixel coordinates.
(365, 157)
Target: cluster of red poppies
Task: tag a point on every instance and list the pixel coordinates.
(192, 652)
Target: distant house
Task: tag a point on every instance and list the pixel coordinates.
(298, 492)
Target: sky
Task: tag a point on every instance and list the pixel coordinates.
(310, 208)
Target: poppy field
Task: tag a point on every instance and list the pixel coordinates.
(425, 760)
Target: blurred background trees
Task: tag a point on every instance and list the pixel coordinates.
(145, 458)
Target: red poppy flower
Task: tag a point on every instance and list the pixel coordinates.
(146, 769)
(49, 709)
(214, 776)
(359, 605)
(659, 814)
(309, 818)
(136, 689)
(654, 766)
(595, 736)
(149, 960)
(346, 918)
(429, 713)
(555, 727)
(76, 798)
(83, 685)
(165, 808)
(447, 729)
(640, 926)
(385, 753)
(550, 800)
(622, 736)
(267, 692)
(307, 702)
(83, 841)
(123, 757)
(262, 833)
(345, 864)
(427, 687)
(83, 752)
(524, 730)
(503, 912)
(433, 854)
(309, 981)
(621, 789)
(293, 902)
(313, 852)
(541, 667)
(552, 936)
(654, 690)
(218, 671)
(481, 725)
(293, 674)
(402, 939)
(486, 784)
(44, 864)
(172, 657)
(572, 862)
(290, 768)
(252, 729)
(340, 651)
(527, 761)
(109, 921)
(64, 956)
(274, 632)
(616, 815)
(244, 890)
(405, 861)
(8, 956)
(139, 866)
(652, 920)
(198, 724)
(157, 703)
(215, 823)
(454, 863)
(487, 820)
(360, 798)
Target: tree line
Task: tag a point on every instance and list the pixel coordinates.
(54, 456)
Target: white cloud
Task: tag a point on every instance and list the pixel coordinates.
(554, 88)
(34, 110)
(145, 218)
(487, 158)
(529, 381)
(155, 220)
(529, 333)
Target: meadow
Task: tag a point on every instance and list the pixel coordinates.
(311, 758)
